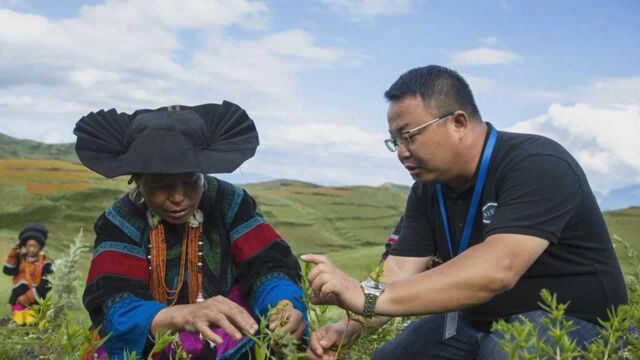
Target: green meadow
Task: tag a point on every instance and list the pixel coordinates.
(349, 224)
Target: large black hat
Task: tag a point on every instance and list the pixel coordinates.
(34, 231)
(208, 138)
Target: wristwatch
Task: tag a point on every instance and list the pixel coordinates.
(372, 291)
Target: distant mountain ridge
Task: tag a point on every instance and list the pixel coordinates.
(619, 198)
(67, 196)
(11, 147)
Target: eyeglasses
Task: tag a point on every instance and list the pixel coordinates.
(405, 137)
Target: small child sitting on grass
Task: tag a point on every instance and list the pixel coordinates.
(29, 268)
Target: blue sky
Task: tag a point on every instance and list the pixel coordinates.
(312, 73)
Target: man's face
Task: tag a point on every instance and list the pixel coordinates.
(429, 153)
(173, 197)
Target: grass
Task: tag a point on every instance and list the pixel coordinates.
(625, 224)
(27, 149)
(66, 197)
(349, 224)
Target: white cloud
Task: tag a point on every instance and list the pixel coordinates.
(298, 43)
(368, 9)
(317, 165)
(489, 41)
(327, 138)
(604, 140)
(141, 54)
(612, 91)
(483, 56)
(620, 91)
(480, 84)
(132, 54)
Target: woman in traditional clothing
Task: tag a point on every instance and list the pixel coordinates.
(183, 251)
(29, 267)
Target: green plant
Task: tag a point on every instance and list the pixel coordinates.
(59, 333)
(521, 338)
(275, 344)
(376, 275)
(65, 281)
(317, 314)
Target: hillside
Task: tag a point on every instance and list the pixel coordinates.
(350, 224)
(619, 198)
(28, 149)
(66, 197)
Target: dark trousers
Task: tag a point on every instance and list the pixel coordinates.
(423, 339)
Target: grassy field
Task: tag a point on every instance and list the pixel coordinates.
(28, 149)
(349, 224)
(67, 197)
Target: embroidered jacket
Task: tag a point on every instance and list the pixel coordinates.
(243, 256)
(29, 282)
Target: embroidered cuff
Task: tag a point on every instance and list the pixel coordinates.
(128, 320)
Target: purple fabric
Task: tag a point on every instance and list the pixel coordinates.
(17, 307)
(191, 342)
(101, 353)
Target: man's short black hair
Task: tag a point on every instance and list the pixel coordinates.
(440, 87)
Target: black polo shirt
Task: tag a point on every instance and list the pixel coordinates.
(533, 187)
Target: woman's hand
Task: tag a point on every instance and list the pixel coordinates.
(15, 250)
(217, 311)
(286, 320)
(24, 300)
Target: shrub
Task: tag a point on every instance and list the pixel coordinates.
(60, 334)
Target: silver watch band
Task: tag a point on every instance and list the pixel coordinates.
(369, 308)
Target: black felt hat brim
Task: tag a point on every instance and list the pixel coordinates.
(207, 138)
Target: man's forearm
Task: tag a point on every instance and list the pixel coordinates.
(434, 291)
(474, 277)
(462, 282)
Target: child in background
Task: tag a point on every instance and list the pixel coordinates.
(29, 267)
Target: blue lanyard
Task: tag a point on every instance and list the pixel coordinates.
(475, 200)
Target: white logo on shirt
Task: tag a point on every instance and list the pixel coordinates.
(488, 210)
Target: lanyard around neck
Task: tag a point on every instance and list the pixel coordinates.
(475, 200)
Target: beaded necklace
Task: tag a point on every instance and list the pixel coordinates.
(191, 253)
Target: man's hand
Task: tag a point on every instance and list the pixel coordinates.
(285, 319)
(331, 286)
(324, 342)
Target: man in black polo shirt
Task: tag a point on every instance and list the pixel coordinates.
(508, 214)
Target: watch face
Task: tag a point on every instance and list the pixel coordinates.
(372, 287)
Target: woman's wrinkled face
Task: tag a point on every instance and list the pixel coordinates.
(173, 197)
(33, 248)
